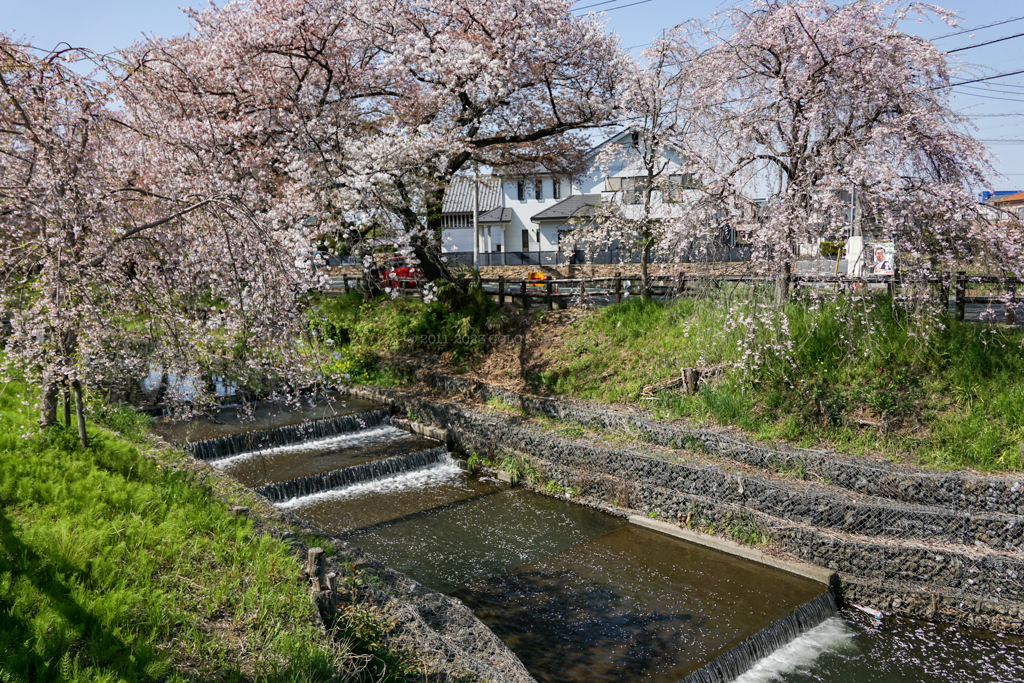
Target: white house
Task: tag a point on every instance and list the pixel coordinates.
(529, 220)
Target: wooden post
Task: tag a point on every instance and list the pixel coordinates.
(691, 380)
(315, 564)
(680, 284)
(618, 288)
(344, 278)
(547, 295)
(332, 587)
(80, 413)
(1010, 313)
(961, 293)
(501, 291)
(526, 297)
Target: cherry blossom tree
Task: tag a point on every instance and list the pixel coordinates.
(134, 235)
(373, 105)
(647, 166)
(800, 101)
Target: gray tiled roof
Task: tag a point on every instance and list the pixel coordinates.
(458, 198)
(498, 215)
(576, 206)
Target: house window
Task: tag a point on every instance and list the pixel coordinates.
(526, 240)
(521, 188)
(556, 188)
(678, 183)
(538, 188)
(633, 190)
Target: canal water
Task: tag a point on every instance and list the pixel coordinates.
(580, 595)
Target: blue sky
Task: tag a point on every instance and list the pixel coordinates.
(106, 25)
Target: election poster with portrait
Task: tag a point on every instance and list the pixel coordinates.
(881, 258)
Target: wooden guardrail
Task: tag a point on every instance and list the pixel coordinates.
(556, 292)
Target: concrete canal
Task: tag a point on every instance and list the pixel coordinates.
(576, 593)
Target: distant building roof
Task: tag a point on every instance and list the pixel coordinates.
(576, 206)
(458, 198)
(1018, 197)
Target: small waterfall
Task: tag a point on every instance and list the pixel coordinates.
(732, 664)
(226, 446)
(378, 469)
(359, 439)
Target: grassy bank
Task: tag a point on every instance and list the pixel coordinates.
(859, 375)
(117, 565)
(458, 324)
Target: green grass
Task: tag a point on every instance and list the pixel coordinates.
(461, 322)
(950, 393)
(115, 567)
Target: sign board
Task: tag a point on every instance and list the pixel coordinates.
(881, 258)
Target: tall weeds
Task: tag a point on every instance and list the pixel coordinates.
(864, 370)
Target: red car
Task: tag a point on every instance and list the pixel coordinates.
(398, 273)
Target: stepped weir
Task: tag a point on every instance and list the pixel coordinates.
(213, 449)
(730, 665)
(378, 469)
(575, 593)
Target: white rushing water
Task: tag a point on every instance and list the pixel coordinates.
(350, 440)
(799, 654)
(444, 472)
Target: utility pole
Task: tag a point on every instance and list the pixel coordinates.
(855, 245)
(476, 216)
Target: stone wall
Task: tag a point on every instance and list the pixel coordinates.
(957, 491)
(602, 270)
(624, 269)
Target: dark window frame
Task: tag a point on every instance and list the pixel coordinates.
(633, 190)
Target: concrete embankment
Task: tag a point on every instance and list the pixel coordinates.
(940, 546)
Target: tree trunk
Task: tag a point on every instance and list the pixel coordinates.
(66, 396)
(645, 258)
(80, 413)
(782, 284)
(48, 405)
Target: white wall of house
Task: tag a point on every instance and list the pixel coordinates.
(523, 211)
(624, 163)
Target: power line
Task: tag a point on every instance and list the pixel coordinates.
(983, 89)
(596, 4)
(608, 2)
(989, 97)
(979, 80)
(990, 42)
(978, 28)
(641, 2)
(988, 116)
